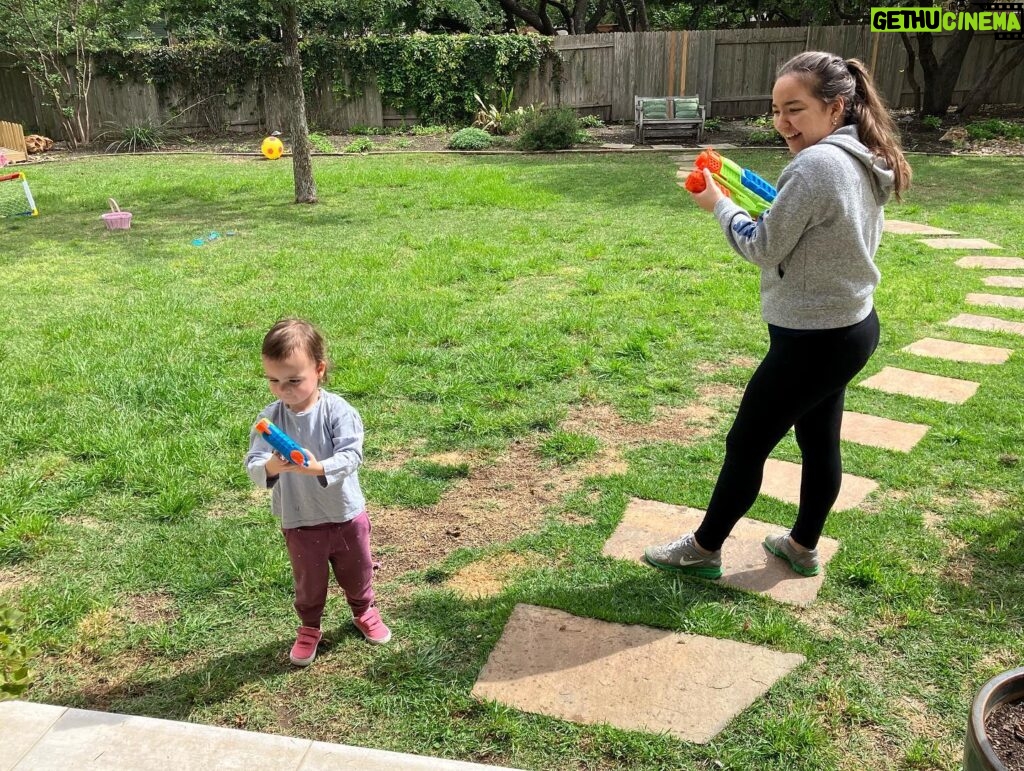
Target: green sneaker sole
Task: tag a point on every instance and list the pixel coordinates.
(805, 572)
(687, 570)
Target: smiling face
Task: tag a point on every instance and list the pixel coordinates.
(295, 379)
(799, 116)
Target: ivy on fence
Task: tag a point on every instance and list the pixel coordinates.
(434, 76)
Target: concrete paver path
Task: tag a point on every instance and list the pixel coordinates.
(902, 228)
(991, 263)
(964, 352)
(1009, 282)
(996, 300)
(906, 382)
(633, 677)
(40, 737)
(881, 432)
(745, 563)
(959, 243)
(987, 324)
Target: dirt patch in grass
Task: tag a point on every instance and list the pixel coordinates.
(487, 577)
(12, 579)
(508, 495)
(151, 608)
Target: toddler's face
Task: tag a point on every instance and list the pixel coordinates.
(295, 380)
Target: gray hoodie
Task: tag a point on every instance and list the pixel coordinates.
(817, 243)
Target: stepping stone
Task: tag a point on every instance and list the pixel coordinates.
(899, 227)
(987, 324)
(991, 263)
(745, 563)
(881, 432)
(782, 481)
(616, 146)
(958, 243)
(636, 678)
(894, 380)
(997, 300)
(965, 352)
(1009, 282)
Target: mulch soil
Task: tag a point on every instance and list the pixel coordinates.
(1005, 729)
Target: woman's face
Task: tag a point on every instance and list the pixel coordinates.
(800, 117)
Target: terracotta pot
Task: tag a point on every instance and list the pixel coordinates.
(1001, 689)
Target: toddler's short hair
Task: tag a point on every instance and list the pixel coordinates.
(290, 335)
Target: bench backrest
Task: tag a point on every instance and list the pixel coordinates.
(668, 108)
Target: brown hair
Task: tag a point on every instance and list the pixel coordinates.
(290, 335)
(830, 77)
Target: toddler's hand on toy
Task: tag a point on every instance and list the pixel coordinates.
(710, 195)
(276, 465)
(314, 469)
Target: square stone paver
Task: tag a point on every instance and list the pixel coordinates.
(902, 228)
(1009, 282)
(965, 352)
(782, 481)
(987, 324)
(958, 243)
(894, 380)
(80, 738)
(634, 677)
(996, 300)
(745, 563)
(991, 263)
(881, 432)
(24, 724)
(616, 146)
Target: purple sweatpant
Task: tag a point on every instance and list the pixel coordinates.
(345, 547)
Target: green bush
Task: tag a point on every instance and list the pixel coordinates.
(995, 129)
(554, 129)
(321, 143)
(590, 121)
(361, 145)
(712, 124)
(470, 139)
(934, 122)
(15, 674)
(764, 138)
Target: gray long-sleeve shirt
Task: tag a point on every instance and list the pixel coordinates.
(333, 431)
(817, 243)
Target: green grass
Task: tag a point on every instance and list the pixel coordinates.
(468, 303)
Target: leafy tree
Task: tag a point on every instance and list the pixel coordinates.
(55, 40)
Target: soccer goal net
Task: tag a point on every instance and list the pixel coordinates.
(15, 197)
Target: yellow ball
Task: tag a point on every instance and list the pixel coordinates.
(272, 148)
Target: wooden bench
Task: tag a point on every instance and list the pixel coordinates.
(668, 117)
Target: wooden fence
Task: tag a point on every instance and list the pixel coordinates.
(731, 70)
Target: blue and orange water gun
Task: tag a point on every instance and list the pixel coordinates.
(741, 185)
(283, 443)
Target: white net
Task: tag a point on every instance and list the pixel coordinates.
(15, 196)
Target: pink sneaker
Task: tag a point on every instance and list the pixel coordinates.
(304, 650)
(373, 629)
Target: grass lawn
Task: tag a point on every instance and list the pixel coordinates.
(471, 305)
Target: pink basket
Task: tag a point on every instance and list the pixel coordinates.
(115, 218)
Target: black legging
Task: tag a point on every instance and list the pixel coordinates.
(801, 383)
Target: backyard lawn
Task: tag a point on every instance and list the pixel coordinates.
(478, 311)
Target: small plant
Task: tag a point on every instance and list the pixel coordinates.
(321, 143)
(761, 121)
(764, 138)
(933, 122)
(590, 121)
(713, 124)
(428, 131)
(370, 131)
(995, 129)
(361, 145)
(501, 118)
(554, 129)
(134, 139)
(401, 143)
(15, 674)
(564, 447)
(470, 139)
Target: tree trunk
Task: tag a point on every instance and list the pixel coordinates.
(911, 66)
(940, 77)
(991, 78)
(302, 161)
(643, 24)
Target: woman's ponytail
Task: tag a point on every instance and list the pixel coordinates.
(875, 126)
